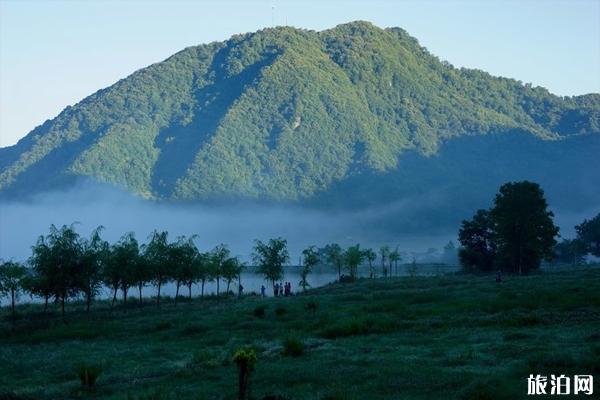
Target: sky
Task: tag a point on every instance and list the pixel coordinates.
(55, 53)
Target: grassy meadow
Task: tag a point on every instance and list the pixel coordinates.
(445, 337)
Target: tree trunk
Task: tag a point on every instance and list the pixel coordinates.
(218, 279)
(202, 289)
(114, 298)
(339, 271)
(12, 296)
(88, 296)
(158, 293)
(46, 303)
(228, 284)
(63, 308)
(140, 290)
(177, 292)
(125, 290)
(190, 290)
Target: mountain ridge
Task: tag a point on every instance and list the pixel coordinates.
(281, 114)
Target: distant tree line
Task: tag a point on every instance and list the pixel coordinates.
(65, 266)
(518, 233)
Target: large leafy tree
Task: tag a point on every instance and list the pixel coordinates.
(182, 254)
(524, 227)
(12, 276)
(270, 258)
(588, 233)
(478, 247)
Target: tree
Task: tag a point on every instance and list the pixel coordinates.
(56, 261)
(156, 254)
(570, 251)
(394, 258)
(384, 251)
(12, 276)
(524, 227)
(218, 255)
(588, 232)
(187, 269)
(202, 269)
(449, 255)
(334, 256)
(40, 282)
(353, 257)
(142, 273)
(121, 265)
(478, 247)
(232, 268)
(181, 255)
(371, 256)
(310, 258)
(270, 258)
(94, 255)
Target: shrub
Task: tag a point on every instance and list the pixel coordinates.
(311, 306)
(88, 374)
(280, 310)
(163, 326)
(260, 311)
(245, 360)
(346, 327)
(292, 346)
(194, 329)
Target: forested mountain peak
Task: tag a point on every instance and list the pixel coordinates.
(282, 113)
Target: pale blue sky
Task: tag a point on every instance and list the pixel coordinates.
(54, 53)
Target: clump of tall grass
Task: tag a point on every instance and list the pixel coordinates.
(88, 374)
(292, 346)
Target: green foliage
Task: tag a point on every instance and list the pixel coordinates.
(270, 257)
(281, 113)
(515, 235)
(292, 346)
(260, 311)
(88, 373)
(588, 234)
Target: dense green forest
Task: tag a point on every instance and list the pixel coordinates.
(283, 114)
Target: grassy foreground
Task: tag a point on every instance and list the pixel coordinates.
(415, 338)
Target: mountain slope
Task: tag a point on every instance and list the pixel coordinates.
(283, 114)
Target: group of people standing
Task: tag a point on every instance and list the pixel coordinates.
(279, 289)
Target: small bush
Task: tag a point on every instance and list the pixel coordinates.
(293, 347)
(311, 306)
(346, 327)
(163, 326)
(260, 311)
(194, 329)
(280, 310)
(88, 374)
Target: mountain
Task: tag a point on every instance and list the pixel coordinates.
(355, 116)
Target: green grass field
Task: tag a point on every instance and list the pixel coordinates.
(446, 337)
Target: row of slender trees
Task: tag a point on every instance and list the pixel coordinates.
(65, 265)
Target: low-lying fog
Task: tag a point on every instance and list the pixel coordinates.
(236, 225)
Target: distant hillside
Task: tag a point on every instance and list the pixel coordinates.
(295, 115)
